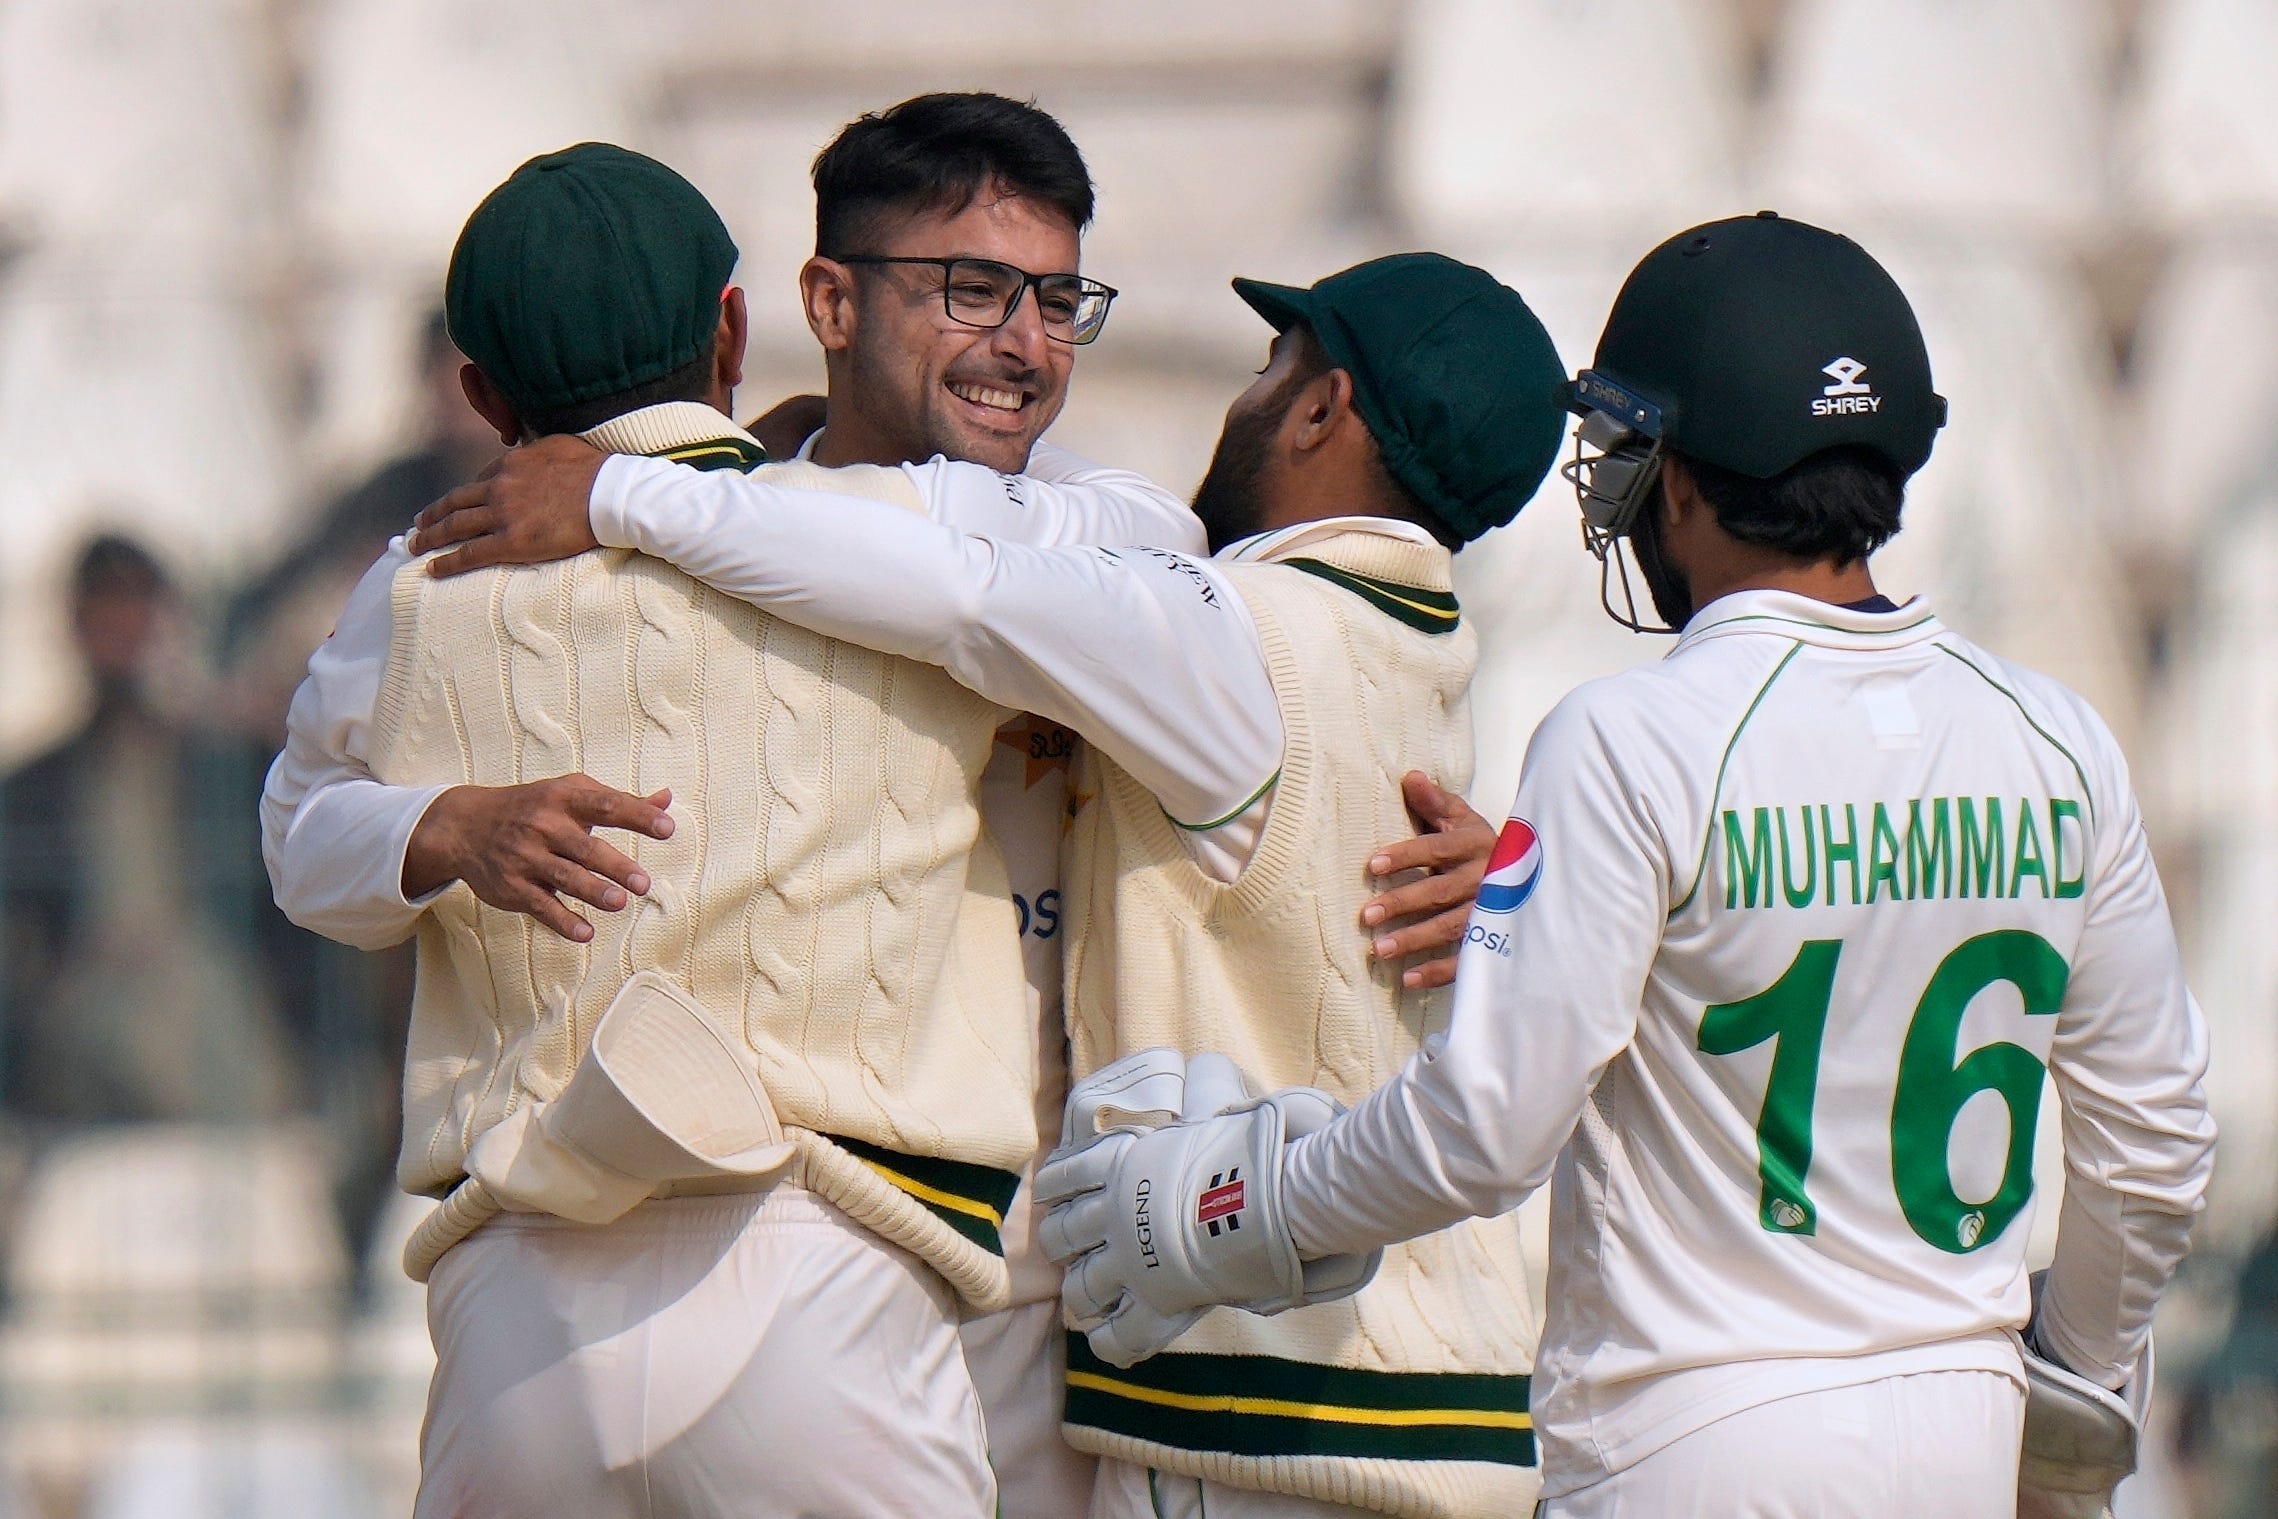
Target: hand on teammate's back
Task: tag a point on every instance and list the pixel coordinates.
(523, 848)
(1451, 844)
(531, 508)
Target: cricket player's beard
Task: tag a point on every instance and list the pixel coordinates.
(1672, 599)
(1231, 499)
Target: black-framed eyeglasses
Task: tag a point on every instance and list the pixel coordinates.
(981, 292)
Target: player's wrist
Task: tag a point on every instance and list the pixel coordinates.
(433, 856)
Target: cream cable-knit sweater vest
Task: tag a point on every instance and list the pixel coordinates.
(1410, 1397)
(827, 890)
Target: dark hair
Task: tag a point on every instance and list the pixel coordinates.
(938, 153)
(692, 381)
(114, 563)
(1840, 504)
(1393, 499)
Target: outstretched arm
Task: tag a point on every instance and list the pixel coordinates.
(849, 568)
(534, 506)
(1063, 498)
(1554, 968)
(1146, 652)
(1546, 996)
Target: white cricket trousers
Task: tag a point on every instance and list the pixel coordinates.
(1017, 1358)
(1938, 1443)
(757, 1355)
(1126, 1491)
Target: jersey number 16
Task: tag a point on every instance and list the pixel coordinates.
(1932, 1085)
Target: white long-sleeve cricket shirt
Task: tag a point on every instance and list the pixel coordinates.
(1763, 979)
(334, 838)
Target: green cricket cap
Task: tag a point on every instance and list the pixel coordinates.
(590, 272)
(1758, 341)
(1452, 373)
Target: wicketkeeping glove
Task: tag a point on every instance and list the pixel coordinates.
(1156, 1225)
(2080, 1437)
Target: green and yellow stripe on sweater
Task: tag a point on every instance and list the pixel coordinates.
(970, 1199)
(1264, 1406)
(1426, 610)
(716, 453)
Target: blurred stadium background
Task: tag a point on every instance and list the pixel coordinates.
(223, 225)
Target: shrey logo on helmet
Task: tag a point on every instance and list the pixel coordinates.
(1845, 373)
(1513, 870)
(1849, 393)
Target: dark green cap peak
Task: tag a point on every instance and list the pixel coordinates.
(1452, 373)
(589, 272)
(1758, 341)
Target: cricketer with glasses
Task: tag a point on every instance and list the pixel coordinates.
(1251, 716)
(921, 365)
(716, 1174)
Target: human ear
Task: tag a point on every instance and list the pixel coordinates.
(1321, 408)
(826, 293)
(728, 340)
(1679, 496)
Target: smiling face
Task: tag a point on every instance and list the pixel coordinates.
(920, 382)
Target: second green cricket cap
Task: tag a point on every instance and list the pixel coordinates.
(1452, 373)
(590, 272)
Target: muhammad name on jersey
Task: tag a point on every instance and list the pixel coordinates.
(1923, 849)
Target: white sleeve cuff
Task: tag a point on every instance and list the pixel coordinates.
(607, 507)
(344, 857)
(399, 848)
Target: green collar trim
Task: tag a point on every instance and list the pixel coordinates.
(1425, 611)
(1257, 1405)
(1239, 808)
(1700, 871)
(1825, 627)
(716, 453)
(2087, 794)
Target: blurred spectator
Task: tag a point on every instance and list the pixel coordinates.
(128, 878)
(287, 609)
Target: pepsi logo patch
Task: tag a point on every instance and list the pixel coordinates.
(1513, 870)
(1220, 1205)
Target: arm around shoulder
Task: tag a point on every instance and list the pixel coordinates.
(1062, 500)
